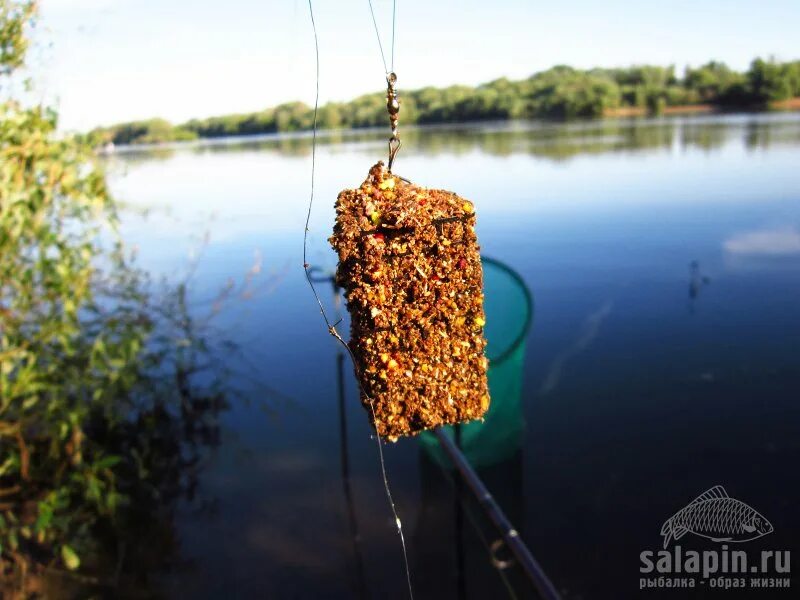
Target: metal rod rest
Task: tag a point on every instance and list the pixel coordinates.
(523, 555)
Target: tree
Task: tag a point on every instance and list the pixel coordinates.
(770, 81)
(712, 80)
(559, 92)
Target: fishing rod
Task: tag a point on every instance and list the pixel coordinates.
(486, 501)
(490, 506)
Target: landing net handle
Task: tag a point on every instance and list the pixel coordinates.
(511, 536)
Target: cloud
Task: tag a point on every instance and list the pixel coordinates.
(784, 241)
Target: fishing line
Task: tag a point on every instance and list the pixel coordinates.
(392, 103)
(394, 20)
(332, 326)
(378, 35)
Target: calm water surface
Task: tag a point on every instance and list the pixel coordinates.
(664, 260)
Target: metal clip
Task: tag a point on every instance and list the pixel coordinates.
(499, 563)
(393, 106)
(394, 146)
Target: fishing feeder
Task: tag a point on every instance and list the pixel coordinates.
(410, 267)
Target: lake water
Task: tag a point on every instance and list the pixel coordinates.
(663, 257)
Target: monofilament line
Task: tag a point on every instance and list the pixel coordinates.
(394, 20)
(332, 327)
(378, 35)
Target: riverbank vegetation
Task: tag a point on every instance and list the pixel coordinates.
(560, 92)
(107, 399)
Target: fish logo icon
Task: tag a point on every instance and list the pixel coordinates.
(718, 517)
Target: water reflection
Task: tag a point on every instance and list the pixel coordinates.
(555, 141)
(621, 391)
(454, 543)
(696, 283)
(590, 329)
(781, 241)
(163, 444)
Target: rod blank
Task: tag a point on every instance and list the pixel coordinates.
(521, 552)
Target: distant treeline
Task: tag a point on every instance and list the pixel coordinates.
(560, 92)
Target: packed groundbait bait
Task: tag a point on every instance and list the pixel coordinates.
(410, 267)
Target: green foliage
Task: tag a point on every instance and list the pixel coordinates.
(293, 116)
(141, 132)
(13, 42)
(770, 81)
(712, 81)
(100, 412)
(647, 76)
(560, 92)
(564, 92)
(63, 354)
(70, 558)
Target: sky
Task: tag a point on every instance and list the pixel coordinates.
(107, 61)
